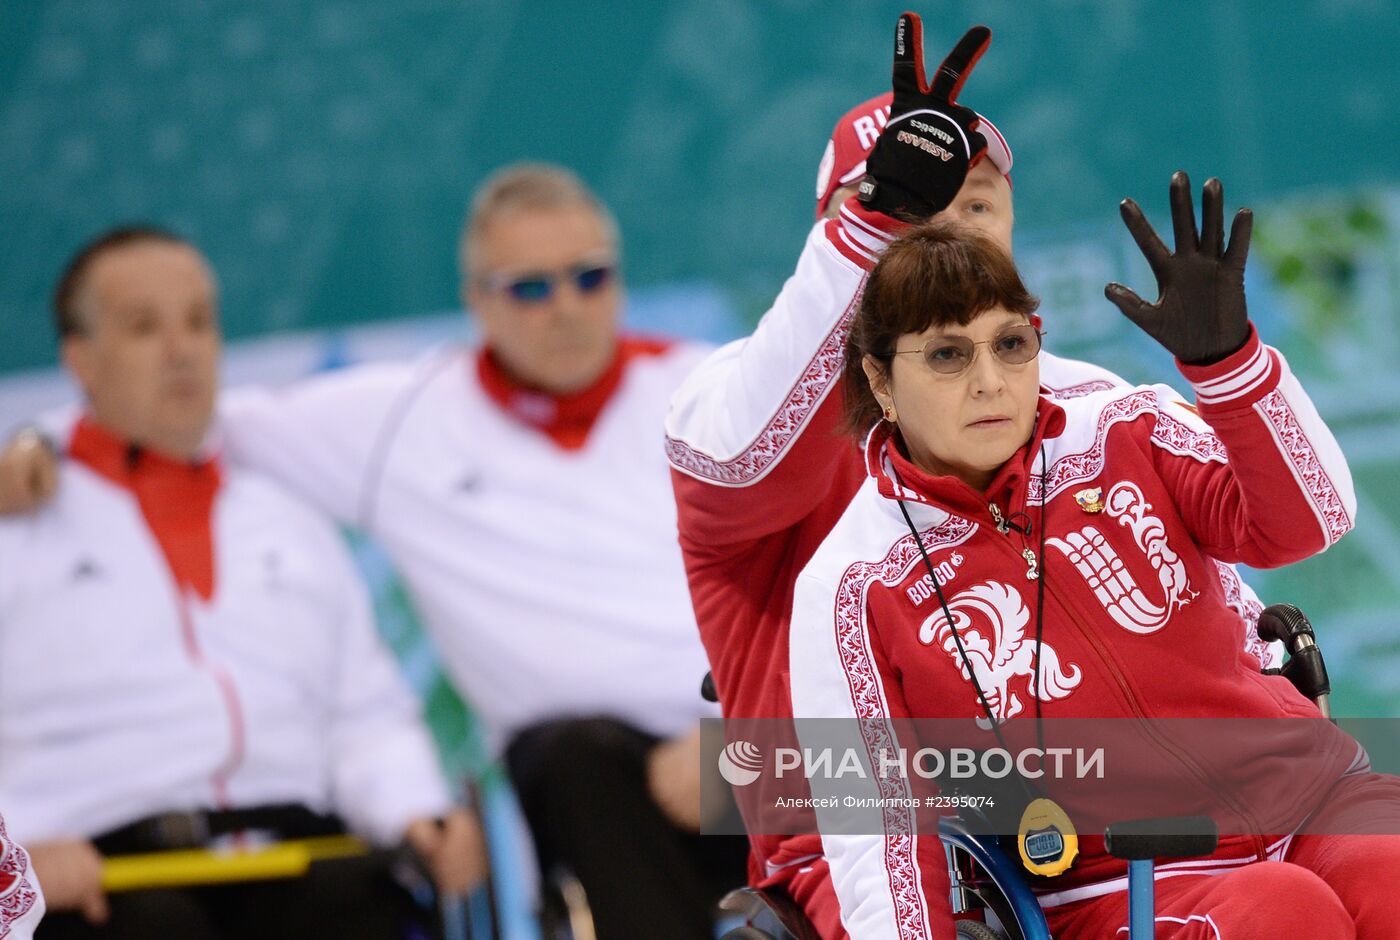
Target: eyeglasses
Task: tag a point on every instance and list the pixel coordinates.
(538, 286)
(952, 355)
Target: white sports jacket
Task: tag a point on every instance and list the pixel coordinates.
(125, 693)
(543, 561)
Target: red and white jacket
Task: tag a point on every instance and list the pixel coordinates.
(762, 472)
(177, 636)
(1136, 623)
(21, 900)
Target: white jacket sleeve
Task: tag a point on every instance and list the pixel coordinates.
(385, 771)
(318, 437)
(21, 898)
(752, 434)
(890, 880)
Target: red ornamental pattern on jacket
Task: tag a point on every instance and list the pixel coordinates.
(1171, 434)
(798, 407)
(17, 894)
(1327, 502)
(872, 714)
(852, 633)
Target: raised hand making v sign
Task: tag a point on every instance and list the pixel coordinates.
(920, 161)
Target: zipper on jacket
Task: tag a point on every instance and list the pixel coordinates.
(1004, 527)
(1260, 846)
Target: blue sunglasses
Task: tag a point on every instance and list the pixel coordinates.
(538, 286)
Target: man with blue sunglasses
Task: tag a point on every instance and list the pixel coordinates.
(521, 490)
(534, 287)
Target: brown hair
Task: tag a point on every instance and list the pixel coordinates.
(67, 318)
(936, 274)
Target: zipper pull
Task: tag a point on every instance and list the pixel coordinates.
(1001, 525)
(1032, 566)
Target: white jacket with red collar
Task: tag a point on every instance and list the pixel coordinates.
(762, 472)
(155, 657)
(1135, 620)
(536, 533)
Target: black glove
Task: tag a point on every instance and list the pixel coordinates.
(1200, 314)
(923, 155)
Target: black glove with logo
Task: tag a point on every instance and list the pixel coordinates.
(1200, 314)
(923, 155)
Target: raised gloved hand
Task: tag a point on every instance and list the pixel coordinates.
(923, 155)
(1200, 314)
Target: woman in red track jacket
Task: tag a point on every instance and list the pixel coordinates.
(1072, 543)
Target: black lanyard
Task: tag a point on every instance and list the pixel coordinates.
(1039, 617)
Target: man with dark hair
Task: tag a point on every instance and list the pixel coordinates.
(186, 654)
(67, 314)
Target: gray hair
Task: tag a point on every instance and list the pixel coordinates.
(538, 186)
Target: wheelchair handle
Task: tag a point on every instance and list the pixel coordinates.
(1287, 623)
(707, 688)
(1306, 668)
(1164, 837)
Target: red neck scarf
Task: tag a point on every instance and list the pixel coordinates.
(176, 497)
(566, 419)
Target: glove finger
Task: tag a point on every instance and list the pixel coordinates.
(1240, 231)
(1146, 237)
(909, 58)
(970, 121)
(1132, 306)
(1212, 218)
(959, 63)
(1183, 213)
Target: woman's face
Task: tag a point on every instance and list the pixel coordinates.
(966, 424)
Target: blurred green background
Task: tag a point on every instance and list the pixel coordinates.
(322, 154)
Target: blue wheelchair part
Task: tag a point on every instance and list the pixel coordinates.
(1002, 891)
(981, 874)
(1142, 898)
(1141, 841)
(981, 871)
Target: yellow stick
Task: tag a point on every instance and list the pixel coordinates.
(185, 868)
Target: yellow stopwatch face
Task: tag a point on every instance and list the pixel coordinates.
(1046, 840)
